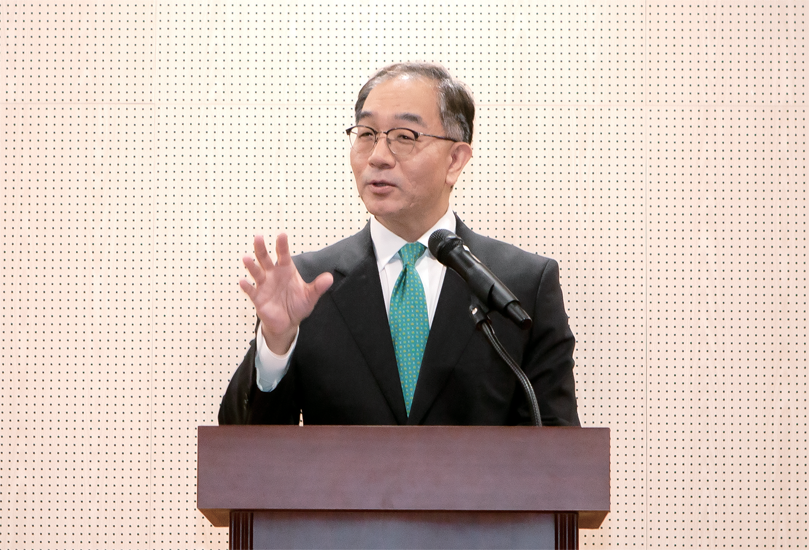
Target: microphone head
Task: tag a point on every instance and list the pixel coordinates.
(442, 242)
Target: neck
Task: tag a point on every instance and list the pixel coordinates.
(410, 232)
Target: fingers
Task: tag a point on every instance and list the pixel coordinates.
(255, 270)
(248, 289)
(263, 262)
(263, 256)
(280, 283)
(261, 268)
(260, 250)
(282, 249)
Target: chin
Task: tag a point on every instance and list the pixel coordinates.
(377, 207)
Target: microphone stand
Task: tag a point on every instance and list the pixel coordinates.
(483, 323)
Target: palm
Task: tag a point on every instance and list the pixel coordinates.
(281, 297)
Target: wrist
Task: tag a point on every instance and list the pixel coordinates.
(279, 343)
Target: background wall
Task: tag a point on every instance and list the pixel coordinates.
(657, 151)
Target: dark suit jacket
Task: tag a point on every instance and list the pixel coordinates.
(343, 370)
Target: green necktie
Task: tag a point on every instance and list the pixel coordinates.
(409, 325)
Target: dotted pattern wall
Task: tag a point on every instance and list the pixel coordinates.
(657, 151)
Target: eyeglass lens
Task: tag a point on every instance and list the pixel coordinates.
(400, 140)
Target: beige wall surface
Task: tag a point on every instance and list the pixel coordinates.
(657, 151)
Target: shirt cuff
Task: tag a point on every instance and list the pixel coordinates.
(271, 368)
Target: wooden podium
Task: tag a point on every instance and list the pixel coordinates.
(403, 486)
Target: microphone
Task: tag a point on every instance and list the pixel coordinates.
(448, 248)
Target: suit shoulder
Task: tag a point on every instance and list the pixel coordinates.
(506, 256)
(344, 252)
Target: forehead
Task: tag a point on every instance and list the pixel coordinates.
(403, 98)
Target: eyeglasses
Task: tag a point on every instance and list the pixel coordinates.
(401, 141)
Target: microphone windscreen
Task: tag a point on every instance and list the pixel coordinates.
(441, 242)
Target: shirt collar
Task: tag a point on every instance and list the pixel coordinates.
(387, 243)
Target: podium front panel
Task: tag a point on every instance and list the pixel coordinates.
(403, 468)
(396, 530)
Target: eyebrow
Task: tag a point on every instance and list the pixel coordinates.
(409, 117)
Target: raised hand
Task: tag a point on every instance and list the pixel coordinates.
(280, 295)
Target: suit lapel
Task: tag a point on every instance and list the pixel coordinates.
(450, 333)
(358, 297)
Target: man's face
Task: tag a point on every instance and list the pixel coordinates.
(407, 194)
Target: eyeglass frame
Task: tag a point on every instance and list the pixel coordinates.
(377, 133)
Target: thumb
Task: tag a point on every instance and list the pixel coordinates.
(320, 285)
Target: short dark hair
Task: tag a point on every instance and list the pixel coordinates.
(455, 104)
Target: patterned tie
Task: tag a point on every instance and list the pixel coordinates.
(409, 325)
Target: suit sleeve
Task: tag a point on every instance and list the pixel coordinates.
(548, 358)
(245, 403)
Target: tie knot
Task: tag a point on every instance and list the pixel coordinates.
(411, 252)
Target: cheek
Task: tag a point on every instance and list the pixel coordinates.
(427, 180)
(356, 166)
(430, 169)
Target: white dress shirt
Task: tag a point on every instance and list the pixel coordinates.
(271, 368)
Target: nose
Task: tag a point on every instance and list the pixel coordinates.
(380, 154)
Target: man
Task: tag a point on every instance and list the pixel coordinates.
(373, 330)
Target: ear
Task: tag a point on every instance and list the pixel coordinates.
(459, 155)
